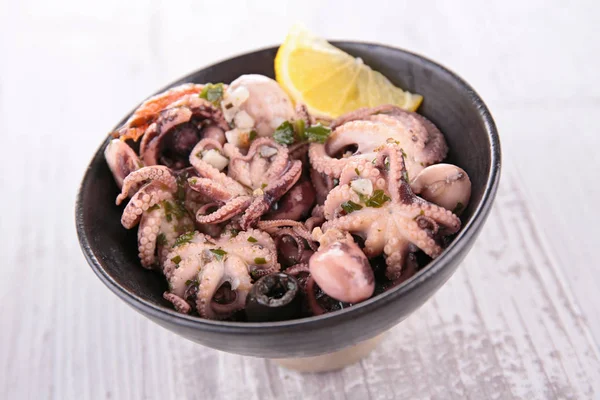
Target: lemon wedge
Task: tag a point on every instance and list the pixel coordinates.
(330, 81)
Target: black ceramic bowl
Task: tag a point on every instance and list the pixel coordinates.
(474, 145)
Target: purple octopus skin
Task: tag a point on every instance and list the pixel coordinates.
(295, 204)
(170, 139)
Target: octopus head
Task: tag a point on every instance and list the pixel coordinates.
(256, 102)
(178, 128)
(340, 268)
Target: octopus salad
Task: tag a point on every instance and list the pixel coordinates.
(255, 210)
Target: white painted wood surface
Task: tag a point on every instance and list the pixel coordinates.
(520, 318)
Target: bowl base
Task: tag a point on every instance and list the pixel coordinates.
(331, 361)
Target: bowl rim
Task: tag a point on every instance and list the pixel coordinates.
(455, 248)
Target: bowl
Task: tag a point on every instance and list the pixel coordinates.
(474, 145)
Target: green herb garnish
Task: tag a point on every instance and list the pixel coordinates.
(193, 181)
(219, 253)
(299, 129)
(212, 92)
(184, 238)
(234, 232)
(264, 185)
(252, 239)
(317, 133)
(176, 259)
(252, 135)
(173, 210)
(260, 260)
(403, 153)
(191, 282)
(154, 207)
(405, 175)
(284, 134)
(161, 239)
(350, 206)
(377, 199)
(357, 171)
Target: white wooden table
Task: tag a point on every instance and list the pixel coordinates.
(520, 318)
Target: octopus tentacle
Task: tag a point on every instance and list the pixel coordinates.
(258, 207)
(225, 212)
(147, 234)
(280, 186)
(121, 160)
(298, 269)
(211, 189)
(320, 161)
(149, 195)
(157, 173)
(298, 228)
(316, 219)
(180, 304)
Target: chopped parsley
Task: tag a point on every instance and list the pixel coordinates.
(219, 253)
(299, 129)
(184, 238)
(377, 199)
(161, 239)
(317, 133)
(173, 210)
(264, 185)
(154, 207)
(193, 181)
(234, 232)
(284, 134)
(260, 260)
(252, 135)
(212, 92)
(357, 171)
(176, 259)
(191, 282)
(252, 239)
(403, 153)
(350, 206)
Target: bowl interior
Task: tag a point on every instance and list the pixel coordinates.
(449, 103)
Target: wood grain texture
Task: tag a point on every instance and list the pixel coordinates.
(520, 318)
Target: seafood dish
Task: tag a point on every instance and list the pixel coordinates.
(255, 209)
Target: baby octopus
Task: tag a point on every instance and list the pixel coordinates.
(254, 181)
(213, 275)
(374, 201)
(360, 133)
